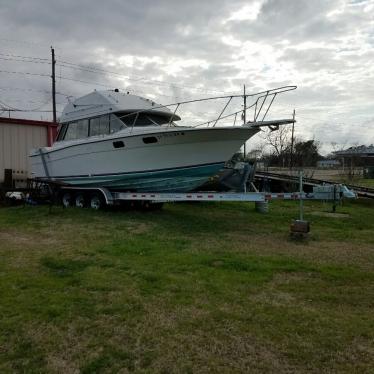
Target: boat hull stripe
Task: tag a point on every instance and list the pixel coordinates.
(136, 172)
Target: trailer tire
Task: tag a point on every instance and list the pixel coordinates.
(66, 199)
(80, 200)
(97, 201)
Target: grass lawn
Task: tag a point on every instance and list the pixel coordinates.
(192, 288)
(358, 182)
(364, 182)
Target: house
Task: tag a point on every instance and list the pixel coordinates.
(328, 164)
(357, 156)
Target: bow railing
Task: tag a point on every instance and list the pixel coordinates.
(261, 104)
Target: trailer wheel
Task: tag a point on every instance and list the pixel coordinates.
(80, 201)
(66, 199)
(96, 201)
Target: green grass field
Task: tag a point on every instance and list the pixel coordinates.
(192, 288)
(365, 182)
(357, 180)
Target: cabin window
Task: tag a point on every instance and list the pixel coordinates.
(143, 119)
(99, 125)
(150, 140)
(115, 124)
(159, 120)
(74, 130)
(71, 132)
(62, 131)
(128, 119)
(95, 126)
(82, 129)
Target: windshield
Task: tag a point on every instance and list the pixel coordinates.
(143, 119)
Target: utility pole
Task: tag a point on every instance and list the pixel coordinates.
(292, 140)
(53, 85)
(244, 116)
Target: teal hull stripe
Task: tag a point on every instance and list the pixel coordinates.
(181, 179)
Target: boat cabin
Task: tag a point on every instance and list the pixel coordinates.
(109, 124)
(106, 112)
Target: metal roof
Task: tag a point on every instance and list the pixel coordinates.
(361, 150)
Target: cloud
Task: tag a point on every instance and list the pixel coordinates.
(175, 50)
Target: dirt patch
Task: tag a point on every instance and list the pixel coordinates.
(23, 249)
(138, 228)
(270, 293)
(15, 238)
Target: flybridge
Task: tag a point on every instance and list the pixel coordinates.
(106, 102)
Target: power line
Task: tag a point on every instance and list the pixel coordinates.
(30, 101)
(28, 111)
(31, 90)
(71, 65)
(20, 56)
(6, 105)
(25, 110)
(22, 42)
(86, 82)
(24, 60)
(134, 78)
(67, 64)
(27, 101)
(24, 73)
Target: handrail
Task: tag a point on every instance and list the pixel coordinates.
(263, 102)
(263, 94)
(222, 111)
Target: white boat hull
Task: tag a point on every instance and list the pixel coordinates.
(175, 159)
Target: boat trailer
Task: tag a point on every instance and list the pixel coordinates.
(97, 198)
(55, 193)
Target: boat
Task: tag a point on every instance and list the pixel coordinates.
(126, 142)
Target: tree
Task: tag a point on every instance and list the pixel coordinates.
(278, 141)
(306, 153)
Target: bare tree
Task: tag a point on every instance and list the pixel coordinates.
(338, 147)
(278, 141)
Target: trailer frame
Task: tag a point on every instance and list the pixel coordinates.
(112, 198)
(42, 190)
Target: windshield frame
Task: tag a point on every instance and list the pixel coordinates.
(141, 119)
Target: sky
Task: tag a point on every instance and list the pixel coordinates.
(173, 50)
